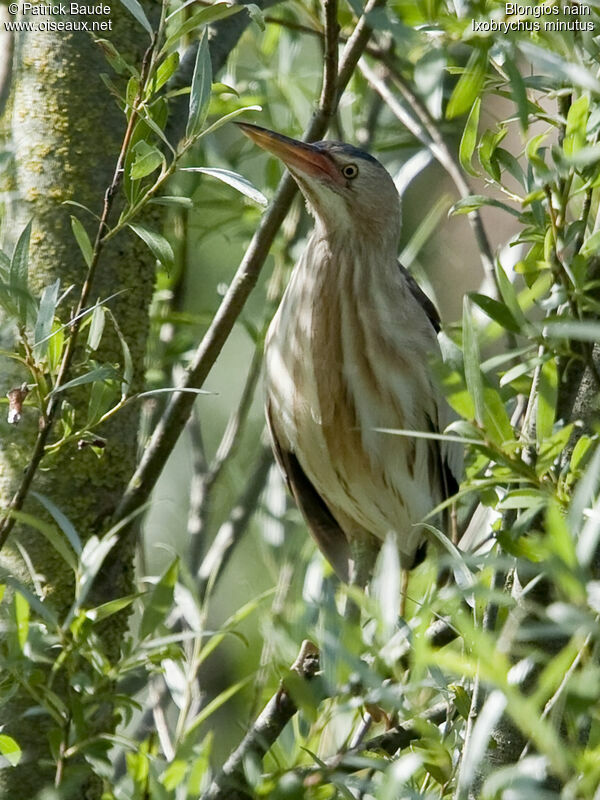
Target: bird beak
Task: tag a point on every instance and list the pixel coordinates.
(299, 157)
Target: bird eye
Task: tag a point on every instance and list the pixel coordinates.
(350, 171)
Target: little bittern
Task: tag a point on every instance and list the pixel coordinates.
(348, 354)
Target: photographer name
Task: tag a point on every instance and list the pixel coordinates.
(63, 9)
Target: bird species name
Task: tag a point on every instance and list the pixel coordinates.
(529, 18)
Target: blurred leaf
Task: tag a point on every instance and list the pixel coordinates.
(160, 600)
(9, 749)
(546, 400)
(591, 246)
(469, 85)
(200, 91)
(176, 202)
(560, 69)
(232, 179)
(472, 362)
(21, 612)
(488, 717)
(216, 703)
(82, 239)
(18, 275)
(138, 12)
(575, 133)
(469, 138)
(518, 90)
(158, 245)
(45, 319)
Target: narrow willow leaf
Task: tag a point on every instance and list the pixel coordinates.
(232, 179)
(56, 342)
(469, 85)
(138, 12)
(592, 245)
(518, 91)
(158, 245)
(497, 311)
(575, 134)
(165, 70)
(101, 373)
(486, 721)
(160, 601)
(175, 201)
(509, 295)
(96, 327)
(21, 609)
(474, 201)
(200, 90)
(62, 521)
(227, 118)
(50, 533)
(45, 319)
(20, 261)
(82, 239)
(469, 138)
(473, 376)
(546, 401)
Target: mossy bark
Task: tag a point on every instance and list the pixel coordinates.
(66, 133)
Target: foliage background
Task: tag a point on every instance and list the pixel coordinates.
(516, 116)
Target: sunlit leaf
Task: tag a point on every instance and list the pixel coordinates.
(200, 91)
(82, 239)
(239, 183)
(158, 245)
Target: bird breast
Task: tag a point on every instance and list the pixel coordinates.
(347, 354)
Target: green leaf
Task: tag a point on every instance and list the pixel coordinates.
(469, 138)
(222, 120)
(21, 611)
(10, 749)
(102, 373)
(158, 245)
(18, 275)
(161, 600)
(474, 201)
(575, 133)
(50, 533)
(591, 246)
(147, 159)
(518, 90)
(83, 240)
(207, 15)
(165, 70)
(469, 85)
(232, 179)
(472, 363)
(546, 400)
(497, 311)
(138, 12)
(20, 261)
(509, 295)
(174, 201)
(45, 319)
(55, 346)
(96, 327)
(62, 521)
(200, 90)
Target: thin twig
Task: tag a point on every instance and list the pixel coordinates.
(230, 531)
(54, 401)
(230, 783)
(178, 410)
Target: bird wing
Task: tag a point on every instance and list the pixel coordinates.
(422, 299)
(447, 463)
(323, 525)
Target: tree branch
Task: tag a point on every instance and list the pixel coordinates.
(230, 783)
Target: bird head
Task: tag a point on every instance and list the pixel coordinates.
(347, 190)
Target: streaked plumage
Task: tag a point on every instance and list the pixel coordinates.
(347, 353)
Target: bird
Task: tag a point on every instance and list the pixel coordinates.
(348, 359)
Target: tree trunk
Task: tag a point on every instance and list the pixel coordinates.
(66, 133)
